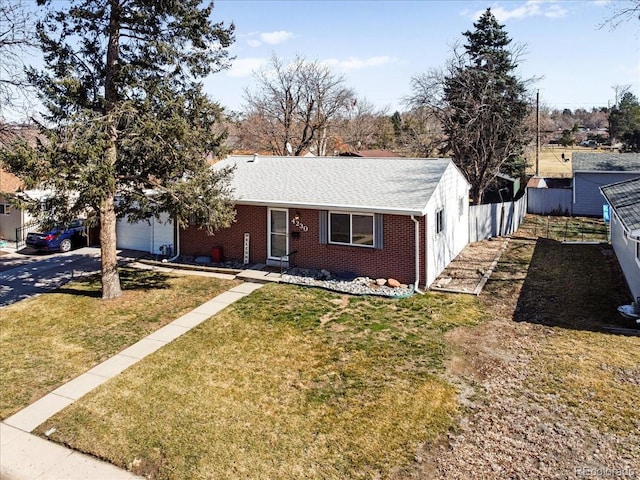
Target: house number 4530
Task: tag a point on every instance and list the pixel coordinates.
(300, 225)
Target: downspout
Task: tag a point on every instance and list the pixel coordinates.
(417, 244)
(175, 257)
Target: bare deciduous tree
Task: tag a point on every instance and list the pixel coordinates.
(364, 127)
(17, 37)
(295, 105)
(622, 11)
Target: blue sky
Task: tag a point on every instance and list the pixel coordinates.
(377, 46)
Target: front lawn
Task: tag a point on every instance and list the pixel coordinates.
(50, 339)
(286, 383)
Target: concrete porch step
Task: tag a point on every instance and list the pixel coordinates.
(259, 276)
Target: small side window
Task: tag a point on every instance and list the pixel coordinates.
(440, 221)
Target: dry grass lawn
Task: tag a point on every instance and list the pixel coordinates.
(524, 381)
(552, 388)
(50, 339)
(286, 383)
(551, 163)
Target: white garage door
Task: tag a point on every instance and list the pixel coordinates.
(144, 236)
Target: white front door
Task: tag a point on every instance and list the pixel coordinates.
(278, 233)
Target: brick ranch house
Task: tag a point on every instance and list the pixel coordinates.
(379, 217)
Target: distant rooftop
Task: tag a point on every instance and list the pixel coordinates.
(606, 162)
(371, 154)
(384, 185)
(624, 198)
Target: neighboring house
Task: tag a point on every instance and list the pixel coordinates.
(11, 219)
(624, 200)
(380, 217)
(594, 170)
(371, 154)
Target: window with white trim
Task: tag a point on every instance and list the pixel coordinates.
(440, 221)
(5, 209)
(351, 229)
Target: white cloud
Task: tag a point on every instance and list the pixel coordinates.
(244, 67)
(270, 38)
(274, 38)
(530, 8)
(355, 63)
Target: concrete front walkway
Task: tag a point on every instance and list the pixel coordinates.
(24, 456)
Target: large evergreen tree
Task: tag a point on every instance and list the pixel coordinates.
(481, 104)
(624, 122)
(129, 130)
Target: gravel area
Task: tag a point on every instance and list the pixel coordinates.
(465, 272)
(345, 284)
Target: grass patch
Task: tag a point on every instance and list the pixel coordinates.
(565, 229)
(50, 339)
(286, 383)
(574, 289)
(597, 375)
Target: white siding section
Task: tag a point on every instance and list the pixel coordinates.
(452, 195)
(9, 223)
(145, 236)
(626, 252)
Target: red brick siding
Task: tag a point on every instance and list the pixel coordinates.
(395, 260)
(249, 219)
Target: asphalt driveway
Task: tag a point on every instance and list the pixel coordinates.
(24, 276)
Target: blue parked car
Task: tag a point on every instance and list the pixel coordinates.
(60, 238)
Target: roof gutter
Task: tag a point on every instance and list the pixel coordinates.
(417, 255)
(343, 208)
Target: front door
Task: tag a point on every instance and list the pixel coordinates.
(278, 233)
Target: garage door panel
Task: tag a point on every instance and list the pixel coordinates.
(133, 236)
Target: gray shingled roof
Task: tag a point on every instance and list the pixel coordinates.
(624, 198)
(606, 162)
(398, 185)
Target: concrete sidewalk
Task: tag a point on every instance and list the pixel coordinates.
(24, 456)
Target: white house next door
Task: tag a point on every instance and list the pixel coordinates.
(278, 233)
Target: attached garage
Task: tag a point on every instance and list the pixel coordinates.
(145, 236)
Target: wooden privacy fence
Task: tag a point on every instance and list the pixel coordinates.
(495, 219)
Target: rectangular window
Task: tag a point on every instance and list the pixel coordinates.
(4, 209)
(351, 229)
(440, 221)
(637, 252)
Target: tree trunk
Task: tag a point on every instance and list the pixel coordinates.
(476, 195)
(110, 278)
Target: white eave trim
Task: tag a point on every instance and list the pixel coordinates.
(346, 208)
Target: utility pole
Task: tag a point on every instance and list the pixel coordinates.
(537, 132)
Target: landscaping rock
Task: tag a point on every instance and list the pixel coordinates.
(381, 282)
(357, 286)
(393, 283)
